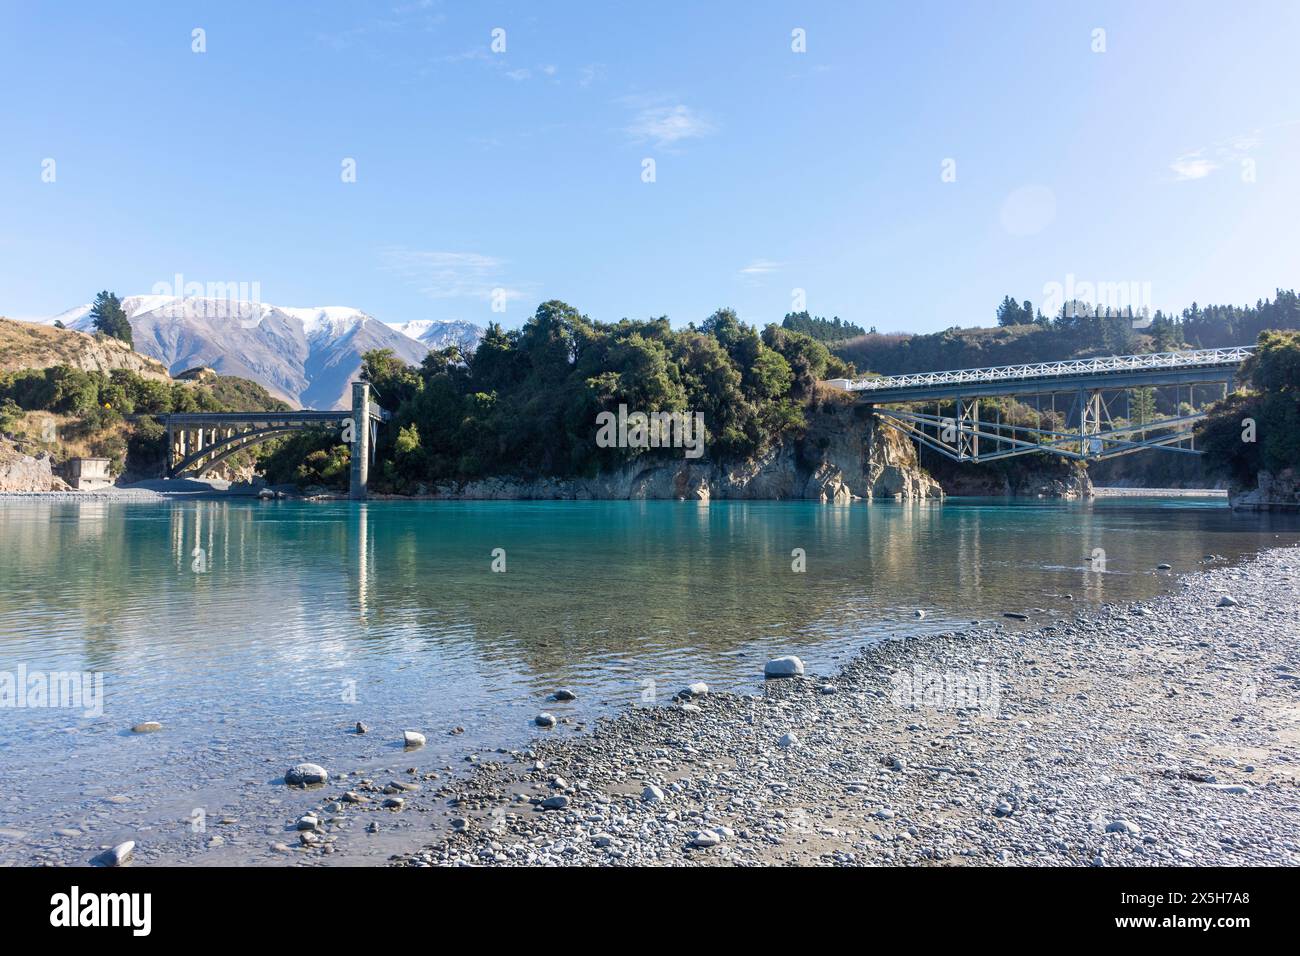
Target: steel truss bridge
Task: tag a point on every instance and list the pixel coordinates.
(1090, 415)
(198, 441)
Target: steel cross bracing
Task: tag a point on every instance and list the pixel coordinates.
(1086, 428)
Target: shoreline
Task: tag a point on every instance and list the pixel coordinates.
(1157, 733)
(156, 491)
(1125, 492)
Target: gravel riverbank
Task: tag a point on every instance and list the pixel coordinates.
(1157, 733)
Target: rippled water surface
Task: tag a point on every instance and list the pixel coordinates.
(309, 617)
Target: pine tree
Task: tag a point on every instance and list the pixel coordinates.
(1008, 311)
(110, 318)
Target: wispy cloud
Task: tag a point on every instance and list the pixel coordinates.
(403, 18)
(667, 126)
(1192, 166)
(759, 268)
(449, 275)
(1234, 151)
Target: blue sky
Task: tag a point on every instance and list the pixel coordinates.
(1170, 159)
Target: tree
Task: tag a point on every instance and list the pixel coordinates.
(1012, 313)
(110, 318)
(1142, 406)
(1269, 415)
(824, 330)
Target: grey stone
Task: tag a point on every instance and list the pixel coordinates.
(119, 855)
(306, 774)
(789, 666)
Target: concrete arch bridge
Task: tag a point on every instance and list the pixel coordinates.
(198, 441)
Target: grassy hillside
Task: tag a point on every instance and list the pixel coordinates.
(71, 395)
(24, 345)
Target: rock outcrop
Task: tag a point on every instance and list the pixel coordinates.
(25, 345)
(843, 455)
(1273, 492)
(1019, 477)
(19, 472)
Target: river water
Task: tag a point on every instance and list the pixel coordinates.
(258, 633)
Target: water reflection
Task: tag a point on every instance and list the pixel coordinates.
(157, 583)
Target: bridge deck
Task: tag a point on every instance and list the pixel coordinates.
(1116, 371)
(265, 418)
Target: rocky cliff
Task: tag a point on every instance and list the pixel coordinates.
(841, 456)
(25, 345)
(19, 472)
(1273, 492)
(1027, 476)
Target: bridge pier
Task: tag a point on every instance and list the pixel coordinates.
(359, 477)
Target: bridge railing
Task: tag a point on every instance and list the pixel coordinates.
(1071, 367)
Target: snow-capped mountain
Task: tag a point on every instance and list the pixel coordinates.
(307, 356)
(441, 333)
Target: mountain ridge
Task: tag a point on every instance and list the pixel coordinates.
(307, 356)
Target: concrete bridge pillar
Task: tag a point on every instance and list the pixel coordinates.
(360, 474)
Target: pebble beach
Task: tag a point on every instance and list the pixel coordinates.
(1156, 733)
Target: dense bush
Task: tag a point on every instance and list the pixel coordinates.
(307, 458)
(67, 390)
(526, 402)
(98, 403)
(1273, 405)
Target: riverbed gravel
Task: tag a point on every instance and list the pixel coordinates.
(1163, 732)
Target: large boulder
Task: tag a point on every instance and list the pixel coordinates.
(19, 472)
(305, 774)
(778, 667)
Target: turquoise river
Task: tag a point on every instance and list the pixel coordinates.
(259, 633)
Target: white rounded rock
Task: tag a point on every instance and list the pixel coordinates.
(120, 855)
(411, 738)
(789, 666)
(304, 774)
